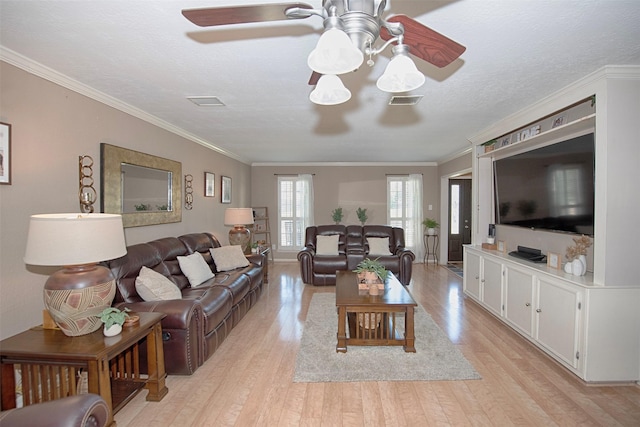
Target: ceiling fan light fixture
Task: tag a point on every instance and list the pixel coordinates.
(401, 75)
(335, 53)
(329, 91)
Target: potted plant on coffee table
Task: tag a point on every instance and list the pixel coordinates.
(371, 273)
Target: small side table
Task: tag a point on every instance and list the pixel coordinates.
(265, 250)
(431, 243)
(50, 363)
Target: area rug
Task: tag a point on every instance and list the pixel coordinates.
(436, 358)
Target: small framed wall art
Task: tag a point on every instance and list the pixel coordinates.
(554, 260)
(209, 184)
(502, 246)
(5, 153)
(225, 194)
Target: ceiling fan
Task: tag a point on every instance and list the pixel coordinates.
(360, 20)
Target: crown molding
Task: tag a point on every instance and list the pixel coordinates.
(42, 71)
(341, 164)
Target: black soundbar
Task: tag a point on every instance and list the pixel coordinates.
(529, 254)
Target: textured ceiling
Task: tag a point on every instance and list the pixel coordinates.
(147, 55)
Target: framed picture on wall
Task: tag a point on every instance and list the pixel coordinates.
(225, 194)
(5, 153)
(209, 184)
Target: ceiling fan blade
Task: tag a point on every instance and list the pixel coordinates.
(313, 80)
(426, 43)
(213, 16)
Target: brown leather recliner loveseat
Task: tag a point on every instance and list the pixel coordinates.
(198, 323)
(318, 267)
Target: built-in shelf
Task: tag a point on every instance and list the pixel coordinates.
(548, 137)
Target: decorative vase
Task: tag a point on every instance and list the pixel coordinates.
(114, 330)
(577, 267)
(431, 231)
(568, 267)
(583, 259)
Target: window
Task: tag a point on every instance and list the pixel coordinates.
(404, 207)
(295, 210)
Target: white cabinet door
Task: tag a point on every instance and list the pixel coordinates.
(519, 299)
(558, 319)
(471, 274)
(492, 285)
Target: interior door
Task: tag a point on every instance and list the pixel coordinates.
(459, 217)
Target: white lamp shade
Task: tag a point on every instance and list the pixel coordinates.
(401, 75)
(329, 91)
(335, 54)
(74, 239)
(238, 216)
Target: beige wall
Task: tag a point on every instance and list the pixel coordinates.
(348, 187)
(51, 127)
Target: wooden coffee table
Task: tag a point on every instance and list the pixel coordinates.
(372, 319)
(50, 363)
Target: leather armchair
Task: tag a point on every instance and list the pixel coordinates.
(353, 247)
(83, 410)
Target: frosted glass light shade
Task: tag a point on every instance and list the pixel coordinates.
(401, 75)
(330, 91)
(335, 54)
(238, 216)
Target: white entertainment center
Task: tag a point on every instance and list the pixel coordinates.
(590, 324)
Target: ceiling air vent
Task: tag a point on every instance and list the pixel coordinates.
(405, 100)
(206, 101)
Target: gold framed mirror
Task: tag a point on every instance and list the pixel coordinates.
(143, 188)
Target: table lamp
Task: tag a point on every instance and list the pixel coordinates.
(239, 234)
(76, 295)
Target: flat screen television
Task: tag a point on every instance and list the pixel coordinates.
(549, 188)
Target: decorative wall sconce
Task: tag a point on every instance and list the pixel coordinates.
(87, 193)
(188, 192)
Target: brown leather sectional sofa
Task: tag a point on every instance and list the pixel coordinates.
(353, 247)
(199, 322)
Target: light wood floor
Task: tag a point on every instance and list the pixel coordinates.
(248, 381)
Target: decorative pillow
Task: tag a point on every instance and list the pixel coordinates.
(153, 286)
(378, 246)
(195, 268)
(327, 245)
(229, 257)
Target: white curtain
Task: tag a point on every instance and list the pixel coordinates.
(415, 188)
(307, 200)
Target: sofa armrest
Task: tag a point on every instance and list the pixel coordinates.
(79, 410)
(257, 259)
(179, 311)
(305, 256)
(406, 258)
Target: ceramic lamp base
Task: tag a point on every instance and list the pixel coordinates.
(240, 235)
(75, 297)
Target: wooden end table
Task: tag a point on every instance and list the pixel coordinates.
(50, 364)
(372, 318)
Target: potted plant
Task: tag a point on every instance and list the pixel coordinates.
(371, 270)
(362, 215)
(113, 320)
(336, 215)
(370, 273)
(431, 225)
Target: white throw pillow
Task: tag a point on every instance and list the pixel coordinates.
(327, 245)
(153, 286)
(229, 257)
(195, 268)
(378, 246)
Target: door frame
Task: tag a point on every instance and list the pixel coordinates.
(443, 250)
